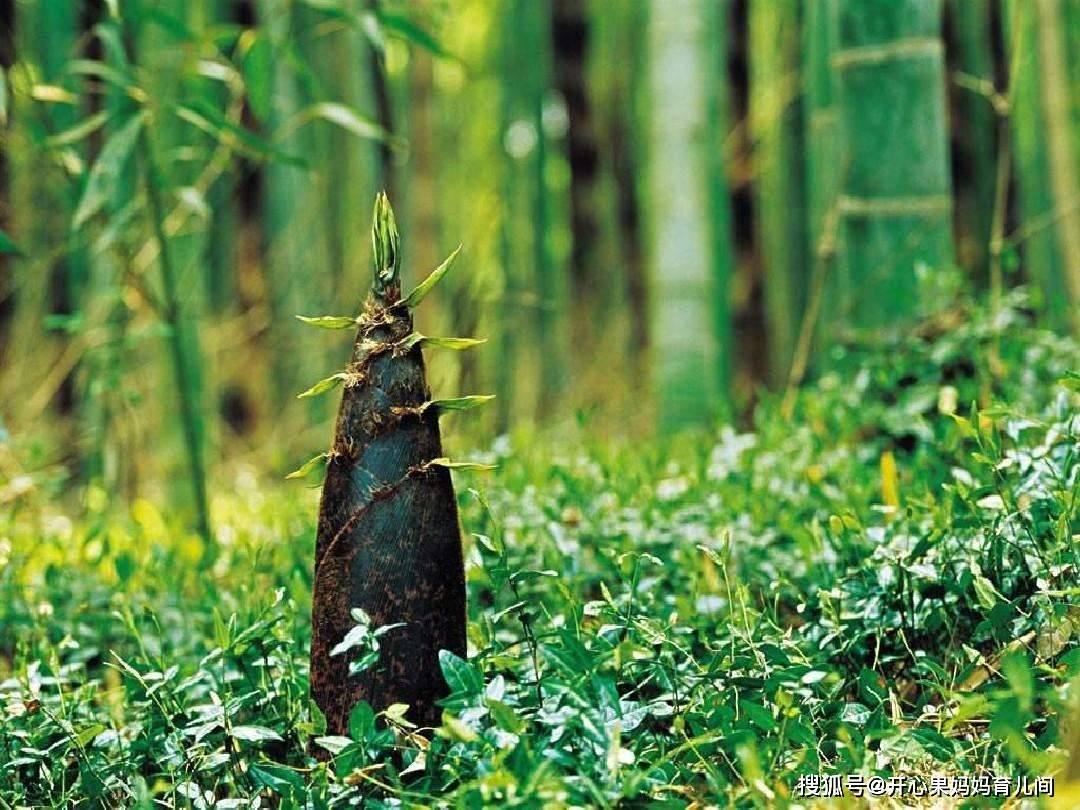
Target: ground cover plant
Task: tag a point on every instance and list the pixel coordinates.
(878, 578)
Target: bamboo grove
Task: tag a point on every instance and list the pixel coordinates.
(665, 207)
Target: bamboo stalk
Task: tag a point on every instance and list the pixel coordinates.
(775, 110)
(180, 350)
(895, 205)
(547, 324)
(686, 376)
(1060, 146)
(973, 65)
(1042, 258)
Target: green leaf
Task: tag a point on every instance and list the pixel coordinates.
(457, 344)
(277, 778)
(346, 118)
(86, 736)
(460, 675)
(459, 465)
(308, 467)
(356, 636)
(361, 721)
(257, 66)
(328, 321)
(460, 403)
(334, 744)
(76, 133)
(105, 174)
(107, 73)
(505, 717)
(401, 26)
(324, 385)
(213, 123)
(254, 733)
(428, 284)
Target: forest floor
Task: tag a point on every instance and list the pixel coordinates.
(882, 582)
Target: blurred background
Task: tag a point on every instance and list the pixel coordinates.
(668, 209)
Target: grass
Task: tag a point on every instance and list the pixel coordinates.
(884, 584)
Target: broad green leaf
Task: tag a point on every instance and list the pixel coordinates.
(254, 733)
(334, 744)
(86, 736)
(505, 717)
(324, 385)
(361, 721)
(328, 321)
(308, 467)
(460, 675)
(277, 778)
(428, 284)
(106, 171)
(356, 636)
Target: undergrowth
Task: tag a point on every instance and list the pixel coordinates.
(882, 582)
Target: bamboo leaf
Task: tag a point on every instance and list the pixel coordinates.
(459, 465)
(214, 124)
(346, 118)
(328, 321)
(457, 344)
(76, 133)
(105, 173)
(309, 466)
(453, 343)
(428, 284)
(460, 403)
(401, 26)
(324, 385)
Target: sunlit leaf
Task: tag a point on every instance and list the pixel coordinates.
(309, 466)
(428, 284)
(324, 385)
(328, 321)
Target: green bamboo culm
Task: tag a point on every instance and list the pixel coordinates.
(777, 131)
(685, 349)
(974, 60)
(1049, 200)
(895, 203)
(820, 116)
